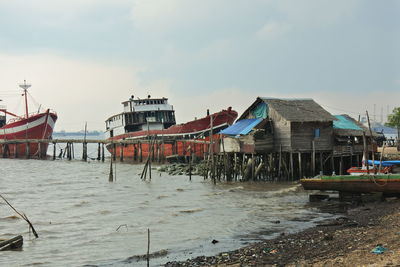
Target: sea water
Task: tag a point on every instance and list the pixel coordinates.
(83, 219)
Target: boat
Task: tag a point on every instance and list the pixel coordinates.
(12, 244)
(37, 125)
(371, 170)
(366, 183)
(154, 118)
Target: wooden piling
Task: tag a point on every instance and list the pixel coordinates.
(27, 150)
(102, 153)
(300, 166)
(313, 158)
(121, 152)
(321, 162)
(15, 151)
(291, 165)
(54, 150)
(98, 152)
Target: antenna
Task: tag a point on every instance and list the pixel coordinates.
(25, 86)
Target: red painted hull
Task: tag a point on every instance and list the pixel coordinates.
(188, 131)
(38, 126)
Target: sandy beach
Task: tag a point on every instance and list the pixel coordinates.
(347, 240)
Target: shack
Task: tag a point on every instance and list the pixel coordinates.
(295, 134)
(349, 137)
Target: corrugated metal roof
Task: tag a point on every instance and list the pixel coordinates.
(343, 122)
(241, 127)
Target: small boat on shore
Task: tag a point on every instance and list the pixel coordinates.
(12, 244)
(366, 183)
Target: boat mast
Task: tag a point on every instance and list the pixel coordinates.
(25, 86)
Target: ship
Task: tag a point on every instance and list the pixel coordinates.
(36, 125)
(144, 120)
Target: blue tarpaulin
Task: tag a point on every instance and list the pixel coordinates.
(343, 123)
(241, 127)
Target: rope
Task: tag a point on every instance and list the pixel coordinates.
(385, 183)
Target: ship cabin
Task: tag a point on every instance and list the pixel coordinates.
(141, 115)
(3, 117)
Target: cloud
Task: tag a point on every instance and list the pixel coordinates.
(273, 30)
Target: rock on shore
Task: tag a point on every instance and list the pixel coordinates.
(346, 241)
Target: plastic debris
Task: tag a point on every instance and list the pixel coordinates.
(379, 249)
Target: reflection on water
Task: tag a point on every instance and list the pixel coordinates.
(81, 218)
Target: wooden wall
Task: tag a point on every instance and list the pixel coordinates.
(303, 134)
(281, 131)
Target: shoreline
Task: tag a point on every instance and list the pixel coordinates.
(344, 241)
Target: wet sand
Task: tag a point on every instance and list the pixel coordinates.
(344, 241)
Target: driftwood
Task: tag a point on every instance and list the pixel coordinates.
(23, 216)
(12, 244)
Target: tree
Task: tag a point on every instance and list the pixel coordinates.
(394, 121)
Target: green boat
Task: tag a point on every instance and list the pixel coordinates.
(386, 183)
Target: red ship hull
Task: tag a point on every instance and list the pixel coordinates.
(177, 140)
(38, 126)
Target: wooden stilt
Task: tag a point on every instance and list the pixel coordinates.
(291, 165)
(102, 153)
(98, 151)
(27, 150)
(54, 150)
(313, 158)
(16, 150)
(321, 162)
(341, 165)
(121, 152)
(300, 166)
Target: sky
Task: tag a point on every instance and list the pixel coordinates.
(84, 57)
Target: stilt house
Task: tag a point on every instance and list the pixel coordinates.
(281, 125)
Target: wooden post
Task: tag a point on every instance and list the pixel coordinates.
(16, 150)
(291, 165)
(190, 164)
(148, 247)
(365, 157)
(321, 163)
(98, 152)
(111, 177)
(212, 149)
(332, 163)
(158, 151)
(39, 150)
(102, 152)
(235, 169)
(121, 152)
(69, 151)
(372, 143)
(313, 158)
(72, 151)
(114, 155)
(54, 150)
(252, 166)
(300, 166)
(140, 152)
(280, 162)
(27, 150)
(341, 165)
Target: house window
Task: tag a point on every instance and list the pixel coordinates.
(317, 132)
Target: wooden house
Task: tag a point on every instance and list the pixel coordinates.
(285, 125)
(348, 136)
